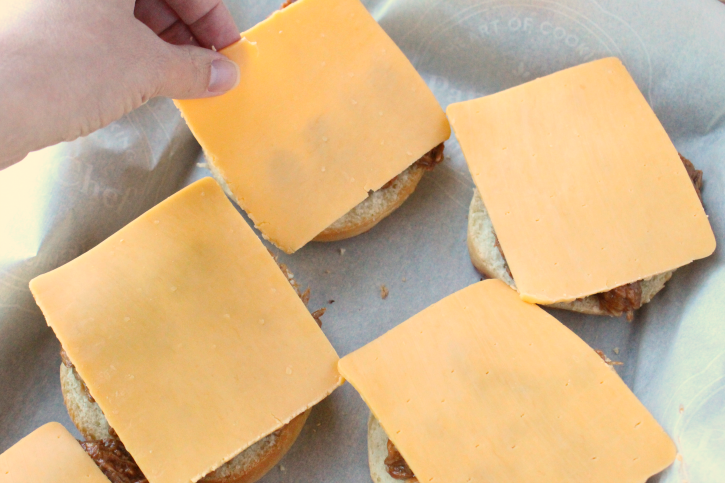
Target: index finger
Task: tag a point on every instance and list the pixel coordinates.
(209, 20)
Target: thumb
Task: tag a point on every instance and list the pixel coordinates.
(189, 72)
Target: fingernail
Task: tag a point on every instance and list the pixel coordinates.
(224, 76)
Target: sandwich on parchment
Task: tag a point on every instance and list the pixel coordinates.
(483, 386)
(187, 353)
(50, 454)
(582, 201)
(330, 129)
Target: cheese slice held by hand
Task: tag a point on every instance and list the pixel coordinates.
(483, 387)
(49, 455)
(188, 335)
(328, 108)
(585, 190)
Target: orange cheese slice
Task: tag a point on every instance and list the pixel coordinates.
(328, 108)
(585, 190)
(483, 387)
(49, 455)
(188, 335)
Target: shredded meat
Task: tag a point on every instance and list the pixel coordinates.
(304, 296)
(607, 359)
(432, 158)
(114, 461)
(628, 298)
(67, 363)
(65, 359)
(110, 454)
(317, 314)
(695, 176)
(622, 300)
(397, 467)
(428, 161)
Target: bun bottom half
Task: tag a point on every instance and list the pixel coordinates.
(377, 452)
(368, 213)
(489, 261)
(374, 208)
(247, 467)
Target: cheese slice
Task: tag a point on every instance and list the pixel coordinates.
(188, 335)
(585, 190)
(49, 455)
(327, 109)
(483, 387)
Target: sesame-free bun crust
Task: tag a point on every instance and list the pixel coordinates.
(488, 260)
(247, 467)
(377, 452)
(374, 208)
(86, 415)
(371, 211)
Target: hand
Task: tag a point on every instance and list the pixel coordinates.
(69, 67)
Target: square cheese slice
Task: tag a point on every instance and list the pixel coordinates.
(483, 387)
(49, 455)
(585, 190)
(327, 109)
(188, 335)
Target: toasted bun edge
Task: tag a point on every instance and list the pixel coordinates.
(487, 259)
(247, 467)
(375, 208)
(377, 452)
(368, 213)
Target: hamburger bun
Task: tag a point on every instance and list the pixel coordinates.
(489, 261)
(247, 467)
(373, 209)
(377, 452)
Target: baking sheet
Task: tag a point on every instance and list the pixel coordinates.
(63, 200)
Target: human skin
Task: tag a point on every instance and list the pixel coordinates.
(70, 67)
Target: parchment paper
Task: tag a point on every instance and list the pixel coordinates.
(64, 200)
